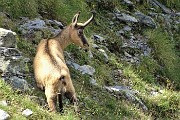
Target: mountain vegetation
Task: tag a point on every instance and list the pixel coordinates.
(133, 60)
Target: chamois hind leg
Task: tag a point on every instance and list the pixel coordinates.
(51, 99)
(60, 102)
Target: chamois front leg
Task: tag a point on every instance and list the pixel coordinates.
(51, 99)
(73, 99)
(70, 94)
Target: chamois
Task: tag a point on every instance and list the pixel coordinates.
(50, 70)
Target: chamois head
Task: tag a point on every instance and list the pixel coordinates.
(77, 31)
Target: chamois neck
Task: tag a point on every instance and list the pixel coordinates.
(63, 38)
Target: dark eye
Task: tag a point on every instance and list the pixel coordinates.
(80, 31)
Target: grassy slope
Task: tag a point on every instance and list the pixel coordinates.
(18, 102)
(95, 102)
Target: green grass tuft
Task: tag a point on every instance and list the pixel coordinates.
(19, 8)
(18, 102)
(164, 53)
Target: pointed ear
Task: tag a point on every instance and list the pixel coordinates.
(75, 18)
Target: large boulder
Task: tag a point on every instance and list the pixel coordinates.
(13, 65)
(145, 20)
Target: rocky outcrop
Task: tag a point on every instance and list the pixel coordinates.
(36, 29)
(13, 65)
(125, 18)
(84, 69)
(158, 4)
(145, 20)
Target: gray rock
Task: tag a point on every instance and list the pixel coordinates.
(126, 18)
(128, 2)
(90, 55)
(154, 93)
(146, 20)
(70, 61)
(4, 115)
(10, 57)
(134, 48)
(95, 46)
(27, 112)
(18, 66)
(56, 23)
(18, 83)
(75, 66)
(164, 8)
(36, 28)
(178, 14)
(93, 81)
(3, 103)
(11, 53)
(98, 38)
(106, 58)
(3, 64)
(129, 94)
(132, 37)
(127, 54)
(87, 69)
(13, 66)
(127, 28)
(120, 32)
(84, 69)
(7, 38)
(36, 24)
